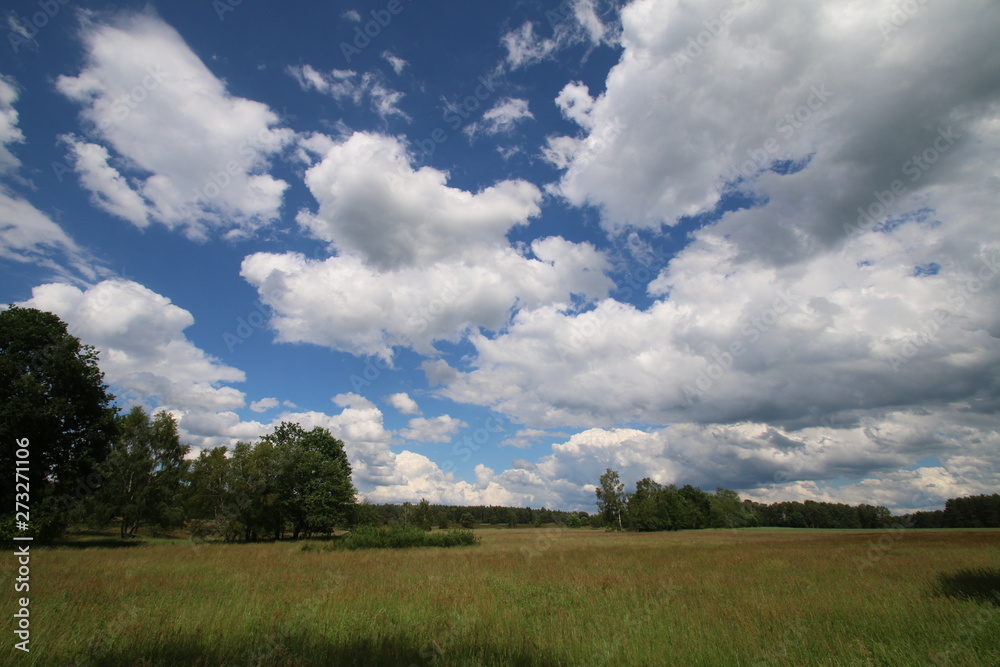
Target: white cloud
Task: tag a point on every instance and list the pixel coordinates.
(10, 133)
(772, 315)
(374, 204)
(576, 22)
(264, 404)
(403, 403)
(396, 62)
(686, 112)
(418, 261)
(347, 85)
(109, 189)
(143, 349)
(435, 429)
(343, 304)
(504, 115)
(525, 48)
(28, 235)
(524, 438)
(192, 156)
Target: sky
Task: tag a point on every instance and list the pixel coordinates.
(498, 248)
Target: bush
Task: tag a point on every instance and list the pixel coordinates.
(401, 537)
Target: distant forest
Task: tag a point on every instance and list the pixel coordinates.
(653, 506)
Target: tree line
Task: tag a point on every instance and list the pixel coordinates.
(653, 506)
(427, 515)
(982, 511)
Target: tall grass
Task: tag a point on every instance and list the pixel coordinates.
(526, 597)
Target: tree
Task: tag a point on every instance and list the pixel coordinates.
(611, 498)
(422, 517)
(143, 473)
(54, 400)
(727, 509)
(467, 521)
(645, 511)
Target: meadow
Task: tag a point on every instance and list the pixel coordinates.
(525, 596)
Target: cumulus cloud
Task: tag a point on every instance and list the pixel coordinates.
(854, 283)
(418, 261)
(168, 142)
(836, 94)
(374, 204)
(143, 350)
(264, 404)
(403, 403)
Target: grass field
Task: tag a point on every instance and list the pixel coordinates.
(532, 596)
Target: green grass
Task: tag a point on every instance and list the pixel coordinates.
(526, 597)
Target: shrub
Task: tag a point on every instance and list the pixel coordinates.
(401, 537)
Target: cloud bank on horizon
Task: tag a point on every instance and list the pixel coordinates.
(732, 243)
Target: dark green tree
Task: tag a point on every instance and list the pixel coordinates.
(143, 473)
(467, 520)
(422, 517)
(611, 499)
(53, 398)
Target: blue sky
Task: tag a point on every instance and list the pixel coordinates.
(499, 248)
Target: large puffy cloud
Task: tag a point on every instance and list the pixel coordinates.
(184, 151)
(770, 464)
(713, 95)
(374, 204)
(143, 349)
(728, 341)
(418, 261)
(344, 304)
(799, 311)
